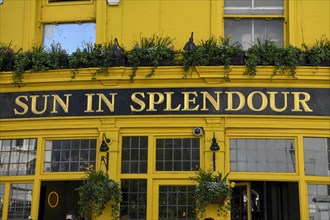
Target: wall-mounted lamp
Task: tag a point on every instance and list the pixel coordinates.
(214, 147)
(105, 148)
(190, 45)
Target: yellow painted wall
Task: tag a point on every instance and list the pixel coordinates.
(21, 21)
(12, 23)
(315, 20)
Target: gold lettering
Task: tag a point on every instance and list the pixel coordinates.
(301, 102)
(34, 104)
(230, 101)
(272, 101)
(152, 101)
(57, 100)
(169, 102)
(188, 100)
(138, 101)
(21, 104)
(111, 105)
(215, 103)
(263, 103)
(89, 107)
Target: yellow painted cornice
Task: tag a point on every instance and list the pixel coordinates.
(166, 77)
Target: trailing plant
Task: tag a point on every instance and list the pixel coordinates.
(287, 59)
(7, 56)
(22, 63)
(58, 56)
(211, 53)
(319, 53)
(151, 51)
(262, 53)
(40, 59)
(212, 189)
(97, 189)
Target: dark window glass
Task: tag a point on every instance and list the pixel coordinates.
(134, 203)
(134, 155)
(176, 202)
(69, 155)
(177, 154)
(18, 157)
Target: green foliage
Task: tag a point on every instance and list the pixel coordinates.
(261, 53)
(211, 53)
(153, 51)
(209, 187)
(58, 56)
(287, 59)
(96, 191)
(7, 56)
(319, 53)
(21, 64)
(40, 59)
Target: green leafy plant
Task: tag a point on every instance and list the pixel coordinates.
(22, 63)
(58, 56)
(212, 189)
(7, 56)
(40, 59)
(262, 53)
(153, 51)
(211, 53)
(97, 189)
(319, 53)
(287, 59)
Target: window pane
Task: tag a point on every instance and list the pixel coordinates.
(134, 155)
(18, 157)
(70, 35)
(69, 155)
(177, 154)
(319, 202)
(262, 155)
(2, 195)
(317, 156)
(20, 201)
(134, 203)
(247, 31)
(273, 7)
(176, 202)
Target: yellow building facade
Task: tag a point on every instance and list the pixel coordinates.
(273, 133)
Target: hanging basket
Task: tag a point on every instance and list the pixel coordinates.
(219, 199)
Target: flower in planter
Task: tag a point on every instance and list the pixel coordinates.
(212, 189)
(98, 189)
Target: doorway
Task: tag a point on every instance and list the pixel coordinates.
(265, 201)
(58, 200)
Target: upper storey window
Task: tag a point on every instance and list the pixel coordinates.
(248, 21)
(72, 23)
(70, 35)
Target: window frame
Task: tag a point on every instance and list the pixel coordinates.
(283, 16)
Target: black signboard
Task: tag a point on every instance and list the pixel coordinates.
(166, 101)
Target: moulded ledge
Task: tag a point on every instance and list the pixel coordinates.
(208, 74)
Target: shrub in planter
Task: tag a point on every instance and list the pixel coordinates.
(22, 63)
(97, 189)
(261, 53)
(211, 53)
(212, 189)
(40, 59)
(7, 56)
(318, 54)
(151, 51)
(287, 59)
(59, 57)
